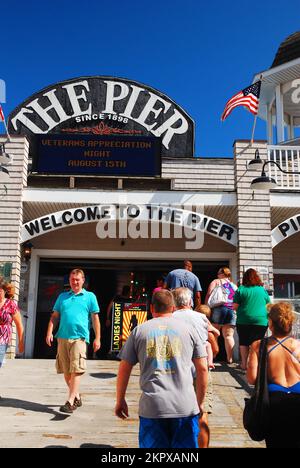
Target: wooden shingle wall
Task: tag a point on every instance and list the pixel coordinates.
(200, 174)
(11, 211)
(253, 213)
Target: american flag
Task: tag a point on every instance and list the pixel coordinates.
(2, 119)
(248, 97)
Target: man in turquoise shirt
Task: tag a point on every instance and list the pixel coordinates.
(72, 311)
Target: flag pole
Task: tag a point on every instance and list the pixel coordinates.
(255, 120)
(6, 129)
(253, 130)
(4, 123)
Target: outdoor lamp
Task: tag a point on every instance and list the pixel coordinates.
(264, 182)
(256, 161)
(27, 248)
(4, 157)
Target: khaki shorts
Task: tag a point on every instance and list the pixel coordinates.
(208, 400)
(71, 356)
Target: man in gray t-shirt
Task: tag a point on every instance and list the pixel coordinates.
(165, 348)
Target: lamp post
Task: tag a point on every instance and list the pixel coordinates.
(264, 182)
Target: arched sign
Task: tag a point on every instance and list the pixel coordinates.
(100, 105)
(135, 214)
(286, 229)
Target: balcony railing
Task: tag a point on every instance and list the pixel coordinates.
(288, 157)
(296, 327)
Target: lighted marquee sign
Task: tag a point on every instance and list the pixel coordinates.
(107, 155)
(106, 106)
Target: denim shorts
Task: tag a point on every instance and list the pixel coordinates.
(223, 315)
(3, 348)
(169, 432)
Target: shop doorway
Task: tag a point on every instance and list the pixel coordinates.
(105, 278)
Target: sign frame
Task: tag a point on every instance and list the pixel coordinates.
(106, 105)
(97, 155)
(122, 315)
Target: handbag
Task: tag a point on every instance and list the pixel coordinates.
(218, 296)
(256, 411)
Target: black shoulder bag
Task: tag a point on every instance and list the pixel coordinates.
(256, 411)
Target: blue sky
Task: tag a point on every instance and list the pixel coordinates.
(197, 53)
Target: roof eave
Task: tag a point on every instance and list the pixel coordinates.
(273, 77)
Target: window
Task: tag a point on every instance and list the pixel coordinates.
(286, 286)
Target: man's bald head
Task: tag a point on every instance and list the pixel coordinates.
(188, 265)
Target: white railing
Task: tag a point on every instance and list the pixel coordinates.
(296, 327)
(288, 158)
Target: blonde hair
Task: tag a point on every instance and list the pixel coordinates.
(226, 272)
(77, 271)
(203, 309)
(282, 317)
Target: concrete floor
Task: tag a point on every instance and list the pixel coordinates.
(31, 393)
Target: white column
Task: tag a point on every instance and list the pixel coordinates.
(292, 128)
(279, 115)
(269, 125)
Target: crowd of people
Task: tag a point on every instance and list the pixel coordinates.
(161, 346)
(176, 351)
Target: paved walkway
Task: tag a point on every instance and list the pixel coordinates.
(32, 393)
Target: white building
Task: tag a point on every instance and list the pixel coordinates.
(95, 142)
